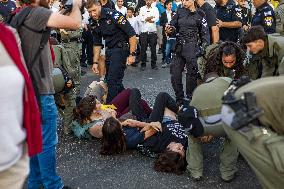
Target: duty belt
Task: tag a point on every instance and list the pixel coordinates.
(78, 40)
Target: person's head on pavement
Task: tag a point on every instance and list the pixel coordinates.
(113, 140)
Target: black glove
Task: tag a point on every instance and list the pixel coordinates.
(188, 117)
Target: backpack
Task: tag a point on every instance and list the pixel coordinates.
(17, 21)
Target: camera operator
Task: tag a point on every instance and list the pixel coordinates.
(34, 33)
(116, 30)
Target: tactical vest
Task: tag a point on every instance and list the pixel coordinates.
(275, 49)
(269, 97)
(207, 104)
(279, 15)
(62, 68)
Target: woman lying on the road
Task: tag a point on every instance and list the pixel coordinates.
(170, 140)
(89, 115)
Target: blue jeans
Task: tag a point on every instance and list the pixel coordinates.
(169, 48)
(43, 165)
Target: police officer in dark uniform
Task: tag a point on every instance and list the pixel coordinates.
(228, 20)
(6, 8)
(120, 39)
(192, 33)
(264, 16)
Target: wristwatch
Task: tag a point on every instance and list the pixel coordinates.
(133, 53)
(95, 63)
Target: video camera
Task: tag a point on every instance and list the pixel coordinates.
(68, 6)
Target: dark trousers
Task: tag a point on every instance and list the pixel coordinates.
(129, 100)
(115, 66)
(162, 101)
(87, 47)
(177, 67)
(151, 40)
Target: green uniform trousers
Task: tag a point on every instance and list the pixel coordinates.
(263, 149)
(228, 155)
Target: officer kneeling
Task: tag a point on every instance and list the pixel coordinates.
(253, 119)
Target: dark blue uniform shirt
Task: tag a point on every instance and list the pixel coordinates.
(191, 26)
(265, 17)
(113, 27)
(6, 8)
(229, 13)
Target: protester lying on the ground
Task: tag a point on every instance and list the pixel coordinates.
(209, 108)
(227, 60)
(117, 137)
(90, 114)
(170, 140)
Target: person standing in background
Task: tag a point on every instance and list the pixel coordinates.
(211, 20)
(120, 8)
(148, 16)
(228, 20)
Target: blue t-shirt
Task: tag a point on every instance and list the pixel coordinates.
(162, 9)
(133, 137)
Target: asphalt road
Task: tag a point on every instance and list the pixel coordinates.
(81, 166)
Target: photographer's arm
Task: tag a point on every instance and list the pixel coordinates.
(73, 21)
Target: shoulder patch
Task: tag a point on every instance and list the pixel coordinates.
(204, 22)
(268, 21)
(267, 13)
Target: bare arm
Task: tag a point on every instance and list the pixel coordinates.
(132, 44)
(97, 52)
(215, 34)
(73, 21)
(235, 24)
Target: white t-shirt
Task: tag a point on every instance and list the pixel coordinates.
(135, 24)
(148, 12)
(12, 133)
(122, 10)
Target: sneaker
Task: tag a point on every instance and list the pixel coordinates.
(165, 65)
(160, 51)
(155, 67)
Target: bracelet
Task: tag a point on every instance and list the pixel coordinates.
(95, 63)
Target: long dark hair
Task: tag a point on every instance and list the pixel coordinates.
(113, 141)
(83, 111)
(170, 162)
(214, 59)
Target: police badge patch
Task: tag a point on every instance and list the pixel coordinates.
(268, 21)
(204, 23)
(121, 20)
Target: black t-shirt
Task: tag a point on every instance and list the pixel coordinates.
(210, 13)
(172, 131)
(6, 8)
